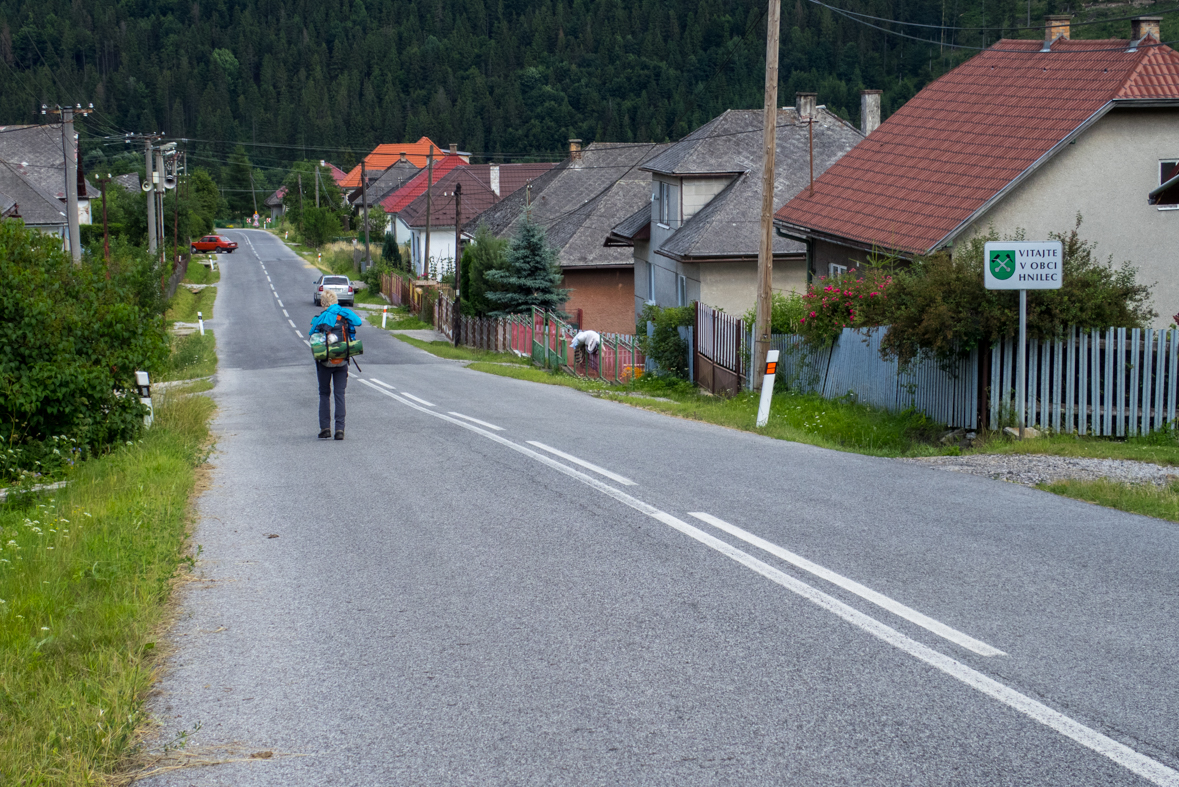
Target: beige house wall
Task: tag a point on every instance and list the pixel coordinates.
(698, 192)
(732, 286)
(1105, 176)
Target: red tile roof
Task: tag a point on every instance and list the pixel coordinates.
(400, 199)
(338, 175)
(968, 135)
(384, 156)
(477, 197)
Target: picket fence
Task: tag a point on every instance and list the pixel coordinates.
(1106, 382)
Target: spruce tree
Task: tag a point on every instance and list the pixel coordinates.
(390, 253)
(531, 277)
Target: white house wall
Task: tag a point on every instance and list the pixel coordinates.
(732, 286)
(1105, 176)
(695, 193)
(441, 251)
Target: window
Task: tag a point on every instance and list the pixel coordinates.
(1167, 199)
(835, 271)
(650, 282)
(666, 213)
(681, 291)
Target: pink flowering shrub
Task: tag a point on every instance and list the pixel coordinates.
(857, 299)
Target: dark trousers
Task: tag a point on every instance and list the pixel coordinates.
(331, 377)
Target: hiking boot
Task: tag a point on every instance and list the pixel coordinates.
(325, 433)
(340, 435)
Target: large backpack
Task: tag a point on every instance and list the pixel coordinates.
(334, 345)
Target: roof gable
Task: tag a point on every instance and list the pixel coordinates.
(387, 154)
(969, 135)
(477, 197)
(35, 206)
(399, 200)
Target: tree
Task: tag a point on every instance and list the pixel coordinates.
(241, 188)
(531, 276)
(320, 225)
(487, 253)
(390, 252)
(303, 172)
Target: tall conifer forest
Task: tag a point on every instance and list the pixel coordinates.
(504, 79)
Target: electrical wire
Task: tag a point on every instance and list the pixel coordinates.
(952, 28)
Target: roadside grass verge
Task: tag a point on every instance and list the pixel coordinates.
(87, 575)
(201, 274)
(399, 320)
(186, 303)
(837, 424)
(1161, 502)
(445, 350)
(365, 295)
(1160, 448)
(192, 356)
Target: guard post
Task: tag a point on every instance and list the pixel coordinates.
(767, 388)
(1023, 266)
(143, 384)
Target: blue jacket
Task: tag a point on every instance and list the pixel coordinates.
(328, 318)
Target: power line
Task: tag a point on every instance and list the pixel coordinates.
(993, 27)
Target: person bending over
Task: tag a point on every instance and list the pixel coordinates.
(333, 374)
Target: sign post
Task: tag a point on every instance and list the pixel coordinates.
(767, 388)
(1023, 266)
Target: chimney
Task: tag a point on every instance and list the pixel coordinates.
(454, 148)
(575, 149)
(403, 158)
(494, 177)
(1143, 26)
(1056, 26)
(805, 103)
(869, 111)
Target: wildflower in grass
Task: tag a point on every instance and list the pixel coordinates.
(45, 628)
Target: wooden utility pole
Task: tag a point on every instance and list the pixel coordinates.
(429, 187)
(765, 254)
(458, 260)
(368, 258)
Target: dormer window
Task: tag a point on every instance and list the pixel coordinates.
(1166, 196)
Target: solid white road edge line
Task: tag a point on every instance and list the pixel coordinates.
(587, 465)
(417, 399)
(879, 599)
(1123, 755)
(382, 382)
(477, 421)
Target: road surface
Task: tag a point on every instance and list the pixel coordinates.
(492, 582)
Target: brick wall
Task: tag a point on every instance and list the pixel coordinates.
(606, 297)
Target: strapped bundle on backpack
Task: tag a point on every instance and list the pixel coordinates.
(335, 345)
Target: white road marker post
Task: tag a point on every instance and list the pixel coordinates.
(1023, 266)
(143, 383)
(384, 316)
(201, 323)
(767, 388)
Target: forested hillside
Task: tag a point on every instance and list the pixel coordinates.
(510, 78)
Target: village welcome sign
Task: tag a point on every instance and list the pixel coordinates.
(1023, 265)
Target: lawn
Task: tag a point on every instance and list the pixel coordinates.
(201, 274)
(1161, 448)
(446, 350)
(399, 320)
(186, 303)
(1146, 499)
(192, 356)
(86, 573)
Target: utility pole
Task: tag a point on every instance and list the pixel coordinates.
(106, 241)
(368, 260)
(317, 182)
(69, 151)
(150, 187)
(161, 237)
(765, 254)
(300, 176)
(429, 187)
(458, 260)
(253, 193)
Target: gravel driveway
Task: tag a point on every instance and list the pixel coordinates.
(1033, 469)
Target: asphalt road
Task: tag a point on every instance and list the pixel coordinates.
(449, 603)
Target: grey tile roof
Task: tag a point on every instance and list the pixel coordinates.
(477, 197)
(38, 150)
(131, 181)
(7, 204)
(37, 207)
(390, 180)
(635, 222)
(579, 201)
(728, 225)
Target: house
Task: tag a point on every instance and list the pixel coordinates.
(1024, 136)
(399, 199)
(22, 198)
(274, 202)
(483, 185)
(386, 155)
(37, 152)
(577, 202)
(393, 178)
(128, 182)
(696, 234)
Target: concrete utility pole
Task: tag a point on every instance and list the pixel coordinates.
(69, 149)
(368, 258)
(429, 187)
(300, 176)
(317, 182)
(150, 182)
(458, 259)
(161, 236)
(765, 254)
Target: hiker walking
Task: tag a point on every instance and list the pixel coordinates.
(332, 324)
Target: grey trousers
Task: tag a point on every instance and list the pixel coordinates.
(331, 377)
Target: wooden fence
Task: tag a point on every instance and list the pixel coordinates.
(1105, 382)
(720, 350)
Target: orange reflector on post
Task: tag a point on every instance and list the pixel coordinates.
(771, 367)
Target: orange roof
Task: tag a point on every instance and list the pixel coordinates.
(385, 156)
(965, 138)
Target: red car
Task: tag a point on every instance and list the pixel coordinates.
(214, 243)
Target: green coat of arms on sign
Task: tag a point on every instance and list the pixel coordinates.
(1002, 262)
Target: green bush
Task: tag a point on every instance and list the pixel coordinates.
(71, 344)
(787, 311)
(487, 253)
(319, 225)
(665, 347)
